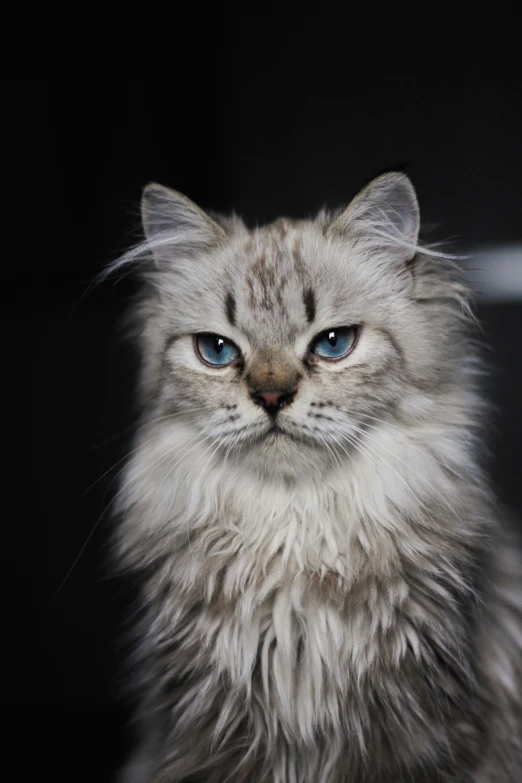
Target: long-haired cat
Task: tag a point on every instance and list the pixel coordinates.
(330, 593)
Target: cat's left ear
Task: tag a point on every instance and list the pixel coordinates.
(384, 213)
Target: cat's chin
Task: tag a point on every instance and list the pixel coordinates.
(278, 452)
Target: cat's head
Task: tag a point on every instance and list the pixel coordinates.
(283, 346)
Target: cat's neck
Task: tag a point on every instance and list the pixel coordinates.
(373, 505)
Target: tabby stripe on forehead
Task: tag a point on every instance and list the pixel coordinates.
(309, 303)
(230, 306)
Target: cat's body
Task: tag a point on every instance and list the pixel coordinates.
(331, 594)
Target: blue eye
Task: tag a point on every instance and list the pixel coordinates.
(335, 343)
(216, 350)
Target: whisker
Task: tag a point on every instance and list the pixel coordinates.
(365, 448)
(323, 440)
(200, 438)
(409, 467)
(136, 448)
(111, 503)
(234, 441)
(402, 430)
(219, 441)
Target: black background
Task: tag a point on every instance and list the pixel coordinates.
(279, 137)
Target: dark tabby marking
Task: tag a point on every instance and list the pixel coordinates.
(230, 307)
(309, 303)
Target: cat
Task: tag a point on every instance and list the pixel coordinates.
(330, 593)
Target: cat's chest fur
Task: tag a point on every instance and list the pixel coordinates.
(294, 597)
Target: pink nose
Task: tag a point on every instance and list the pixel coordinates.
(273, 400)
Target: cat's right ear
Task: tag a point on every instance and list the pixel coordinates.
(175, 226)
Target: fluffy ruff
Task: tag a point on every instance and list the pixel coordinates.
(273, 654)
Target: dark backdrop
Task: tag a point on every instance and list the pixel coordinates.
(76, 155)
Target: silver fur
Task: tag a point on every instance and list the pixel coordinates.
(339, 601)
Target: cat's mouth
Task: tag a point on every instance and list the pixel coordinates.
(279, 433)
(276, 431)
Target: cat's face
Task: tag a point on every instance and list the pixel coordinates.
(282, 347)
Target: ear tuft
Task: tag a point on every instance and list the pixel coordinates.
(173, 223)
(386, 211)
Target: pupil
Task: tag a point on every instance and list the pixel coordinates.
(332, 338)
(219, 344)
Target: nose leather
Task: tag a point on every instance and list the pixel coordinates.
(270, 397)
(273, 400)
